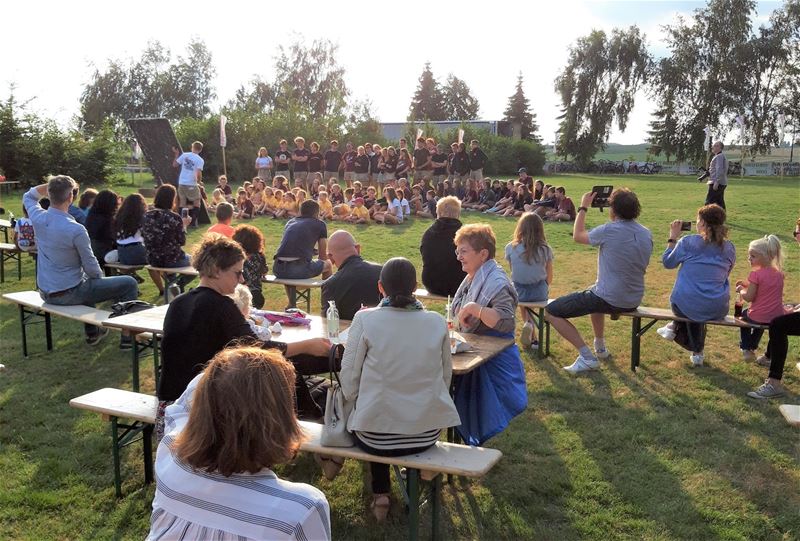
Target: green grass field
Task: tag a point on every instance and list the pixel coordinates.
(667, 453)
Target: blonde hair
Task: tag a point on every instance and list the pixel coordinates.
(769, 247)
(448, 207)
(530, 233)
(242, 298)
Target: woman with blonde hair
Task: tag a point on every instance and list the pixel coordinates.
(231, 425)
(264, 165)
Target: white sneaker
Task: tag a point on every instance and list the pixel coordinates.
(666, 332)
(602, 354)
(748, 355)
(767, 390)
(697, 360)
(582, 364)
(527, 334)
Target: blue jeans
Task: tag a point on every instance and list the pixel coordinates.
(183, 279)
(94, 290)
(749, 337)
(537, 291)
(132, 254)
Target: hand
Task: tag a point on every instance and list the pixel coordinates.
(468, 312)
(739, 283)
(715, 186)
(319, 347)
(586, 200)
(176, 151)
(675, 229)
(186, 221)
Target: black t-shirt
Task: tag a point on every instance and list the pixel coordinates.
(390, 164)
(440, 158)
(282, 154)
(225, 189)
(198, 325)
(421, 156)
(401, 164)
(373, 163)
(477, 159)
(299, 153)
(300, 236)
(332, 160)
(361, 164)
(314, 162)
(349, 160)
(521, 201)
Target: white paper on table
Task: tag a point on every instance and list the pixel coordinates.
(343, 335)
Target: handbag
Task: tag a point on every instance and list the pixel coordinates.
(129, 307)
(337, 410)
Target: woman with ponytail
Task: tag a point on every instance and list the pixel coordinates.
(396, 370)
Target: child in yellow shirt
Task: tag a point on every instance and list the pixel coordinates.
(359, 214)
(325, 206)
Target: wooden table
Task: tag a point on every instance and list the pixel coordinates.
(483, 349)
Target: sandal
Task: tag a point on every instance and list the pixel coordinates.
(380, 506)
(330, 467)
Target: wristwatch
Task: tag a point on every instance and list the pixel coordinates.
(671, 241)
(583, 208)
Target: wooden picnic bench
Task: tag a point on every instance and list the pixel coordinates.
(443, 458)
(663, 314)
(119, 268)
(10, 252)
(535, 309)
(296, 288)
(171, 275)
(791, 413)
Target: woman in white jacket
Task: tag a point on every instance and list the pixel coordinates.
(397, 369)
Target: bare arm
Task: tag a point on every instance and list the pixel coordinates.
(579, 233)
(323, 249)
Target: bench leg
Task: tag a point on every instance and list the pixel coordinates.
(147, 449)
(291, 293)
(436, 495)
(19, 266)
(3, 268)
(48, 332)
(636, 342)
(24, 333)
(305, 294)
(115, 451)
(156, 363)
(413, 503)
(135, 365)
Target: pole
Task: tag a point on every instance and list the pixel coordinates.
(224, 165)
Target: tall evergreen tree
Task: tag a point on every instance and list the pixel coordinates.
(459, 103)
(428, 101)
(519, 110)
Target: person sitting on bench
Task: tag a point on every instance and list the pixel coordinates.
(625, 248)
(68, 271)
(233, 423)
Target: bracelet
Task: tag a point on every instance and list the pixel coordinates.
(583, 208)
(479, 314)
(671, 241)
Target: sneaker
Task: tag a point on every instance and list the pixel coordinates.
(582, 364)
(125, 342)
(535, 345)
(767, 390)
(764, 361)
(697, 360)
(602, 354)
(748, 355)
(95, 339)
(666, 332)
(527, 334)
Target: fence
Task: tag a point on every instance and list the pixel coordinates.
(751, 169)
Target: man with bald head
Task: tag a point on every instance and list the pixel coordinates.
(355, 282)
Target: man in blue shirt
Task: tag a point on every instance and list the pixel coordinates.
(68, 272)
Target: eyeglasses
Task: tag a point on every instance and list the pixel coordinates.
(463, 251)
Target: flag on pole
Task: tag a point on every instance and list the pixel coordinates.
(707, 140)
(137, 150)
(781, 128)
(555, 144)
(740, 122)
(223, 140)
(460, 136)
(419, 133)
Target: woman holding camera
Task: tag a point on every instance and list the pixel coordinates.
(701, 291)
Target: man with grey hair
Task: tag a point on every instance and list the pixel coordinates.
(718, 180)
(441, 270)
(68, 272)
(355, 282)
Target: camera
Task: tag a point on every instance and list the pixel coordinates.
(705, 175)
(686, 226)
(603, 193)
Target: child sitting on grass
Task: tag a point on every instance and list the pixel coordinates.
(325, 206)
(359, 213)
(565, 211)
(244, 205)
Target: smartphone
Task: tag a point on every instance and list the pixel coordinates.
(603, 193)
(184, 213)
(686, 226)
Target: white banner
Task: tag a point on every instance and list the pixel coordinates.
(740, 121)
(460, 136)
(419, 133)
(137, 150)
(223, 140)
(707, 140)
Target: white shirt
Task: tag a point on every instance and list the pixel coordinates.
(189, 162)
(195, 504)
(394, 207)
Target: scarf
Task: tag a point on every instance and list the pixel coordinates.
(482, 288)
(387, 301)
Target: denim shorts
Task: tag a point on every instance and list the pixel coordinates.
(299, 269)
(536, 291)
(582, 303)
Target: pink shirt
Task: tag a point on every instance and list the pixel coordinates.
(222, 229)
(768, 303)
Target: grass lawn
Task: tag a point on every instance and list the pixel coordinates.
(667, 453)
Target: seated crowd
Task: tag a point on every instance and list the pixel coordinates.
(229, 392)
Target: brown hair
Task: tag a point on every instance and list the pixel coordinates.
(165, 197)
(715, 230)
(625, 204)
(224, 211)
(215, 253)
(250, 238)
(478, 236)
(530, 233)
(242, 417)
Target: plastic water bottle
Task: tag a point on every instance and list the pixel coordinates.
(332, 316)
(450, 327)
(738, 305)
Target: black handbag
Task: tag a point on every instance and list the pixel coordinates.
(129, 307)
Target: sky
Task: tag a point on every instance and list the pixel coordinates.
(58, 45)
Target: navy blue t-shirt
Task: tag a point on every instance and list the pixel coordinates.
(300, 236)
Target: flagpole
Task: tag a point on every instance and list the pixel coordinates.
(224, 165)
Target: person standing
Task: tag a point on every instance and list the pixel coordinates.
(422, 163)
(263, 167)
(190, 179)
(349, 162)
(477, 161)
(282, 159)
(718, 179)
(314, 165)
(300, 162)
(333, 162)
(68, 272)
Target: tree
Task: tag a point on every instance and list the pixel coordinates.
(597, 87)
(189, 86)
(700, 83)
(428, 100)
(458, 101)
(519, 111)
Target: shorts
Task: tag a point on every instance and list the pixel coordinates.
(298, 269)
(350, 175)
(284, 172)
(265, 174)
(426, 174)
(476, 174)
(300, 176)
(438, 179)
(188, 194)
(582, 303)
(360, 177)
(327, 175)
(383, 177)
(534, 292)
